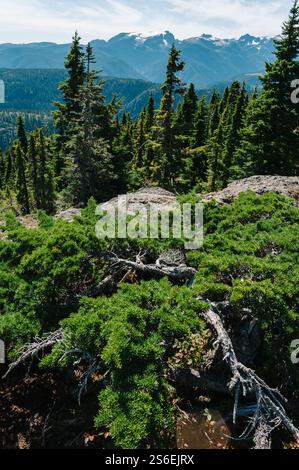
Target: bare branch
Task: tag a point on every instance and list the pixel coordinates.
(269, 412)
(35, 349)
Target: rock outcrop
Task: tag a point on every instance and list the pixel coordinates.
(285, 185)
(163, 199)
(144, 198)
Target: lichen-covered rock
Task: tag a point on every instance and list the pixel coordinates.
(144, 198)
(69, 214)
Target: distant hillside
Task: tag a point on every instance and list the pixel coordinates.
(36, 90)
(33, 92)
(128, 55)
(32, 121)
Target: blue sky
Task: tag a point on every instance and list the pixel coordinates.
(56, 20)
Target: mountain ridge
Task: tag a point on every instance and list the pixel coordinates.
(141, 56)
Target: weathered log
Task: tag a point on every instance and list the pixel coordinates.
(182, 272)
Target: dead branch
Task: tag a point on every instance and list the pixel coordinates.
(47, 427)
(35, 349)
(262, 436)
(83, 385)
(270, 412)
(94, 366)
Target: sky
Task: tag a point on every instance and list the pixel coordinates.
(23, 21)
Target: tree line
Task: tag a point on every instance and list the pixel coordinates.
(198, 145)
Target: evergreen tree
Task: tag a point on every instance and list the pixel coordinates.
(90, 163)
(163, 146)
(224, 101)
(70, 88)
(124, 153)
(9, 168)
(270, 144)
(21, 134)
(214, 120)
(33, 169)
(149, 114)
(140, 138)
(235, 122)
(199, 135)
(45, 177)
(215, 148)
(2, 171)
(185, 114)
(90, 59)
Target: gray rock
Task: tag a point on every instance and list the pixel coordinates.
(260, 184)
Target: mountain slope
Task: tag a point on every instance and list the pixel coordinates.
(37, 89)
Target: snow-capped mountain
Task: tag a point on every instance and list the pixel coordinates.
(139, 55)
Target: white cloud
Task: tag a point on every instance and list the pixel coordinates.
(41, 20)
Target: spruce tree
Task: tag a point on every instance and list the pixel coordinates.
(140, 138)
(9, 168)
(21, 183)
(269, 143)
(90, 59)
(214, 115)
(70, 88)
(21, 134)
(163, 137)
(184, 119)
(33, 169)
(90, 169)
(44, 190)
(2, 171)
(200, 131)
(149, 114)
(214, 164)
(234, 125)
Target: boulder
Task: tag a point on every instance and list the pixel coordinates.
(144, 198)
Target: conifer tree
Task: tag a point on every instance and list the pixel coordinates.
(234, 125)
(70, 88)
(214, 113)
(33, 171)
(124, 151)
(215, 148)
(185, 114)
(21, 183)
(21, 134)
(149, 114)
(90, 59)
(269, 143)
(140, 138)
(200, 131)
(9, 168)
(165, 166)
(41, 174)
(90, 163)
(224, 101)
(2, 171)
